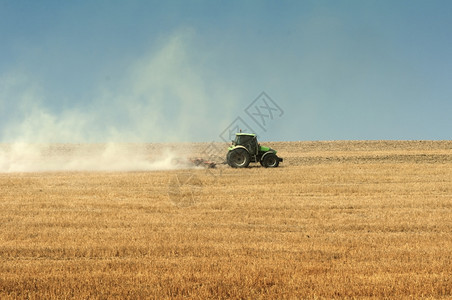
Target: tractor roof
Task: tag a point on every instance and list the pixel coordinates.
(248, 134)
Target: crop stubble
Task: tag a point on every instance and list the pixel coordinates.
(337, 219)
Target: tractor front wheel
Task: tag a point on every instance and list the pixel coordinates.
(238, 158)
(270, 160)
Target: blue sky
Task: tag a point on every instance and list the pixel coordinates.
(156, 71)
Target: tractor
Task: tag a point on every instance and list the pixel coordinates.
(246, 149)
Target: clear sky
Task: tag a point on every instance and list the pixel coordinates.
(156, 71)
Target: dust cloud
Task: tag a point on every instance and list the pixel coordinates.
(21, 157)
(160, 98)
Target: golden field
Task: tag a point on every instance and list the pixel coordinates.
(341, 219)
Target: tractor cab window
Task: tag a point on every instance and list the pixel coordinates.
(243, 139)
(248, 141)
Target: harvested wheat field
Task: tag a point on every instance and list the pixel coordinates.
(345, 219)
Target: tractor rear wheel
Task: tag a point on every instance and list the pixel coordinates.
(238, 158)
(270, 160)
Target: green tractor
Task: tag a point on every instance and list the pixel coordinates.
(246, 149)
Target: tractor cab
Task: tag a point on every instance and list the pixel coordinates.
(247, 140)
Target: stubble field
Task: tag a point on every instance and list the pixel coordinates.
(364, 219)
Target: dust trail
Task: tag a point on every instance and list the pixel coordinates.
(161, 96)
(22, 157)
